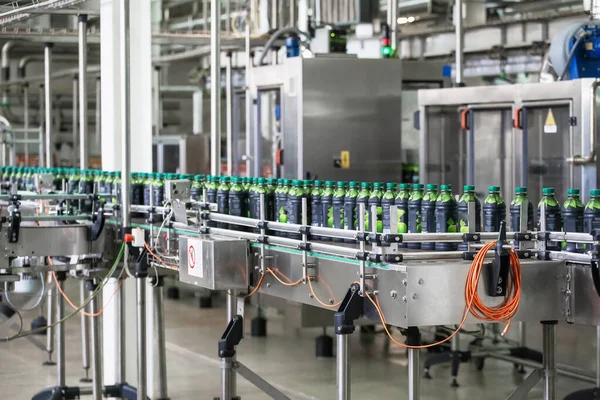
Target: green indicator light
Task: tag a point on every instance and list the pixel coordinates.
(386, 50)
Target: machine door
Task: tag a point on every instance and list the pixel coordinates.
(268, 143)
(548, 141)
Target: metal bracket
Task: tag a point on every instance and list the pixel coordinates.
(499, 266)
(350, 310)
(14, 226)
(232, 336)
(98, 226)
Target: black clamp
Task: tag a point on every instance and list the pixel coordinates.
(205, 230)
(468, 255)
(362, 236)
(392, 238)
(500, 266)
(232, 336)
(543, 236)
(525, 254)
(471, 237)
(595, 235)
(263, 239)
(205, 215)
(14, 226)
(393, 258)
(350, 310)
(523, 237)
(304, 230)
(375, 258)
(413, 336)
(141, 264)
(98, 223)
(543, 256)
(362, 256)
(15, 198)
(262, 225)
(375, 238)
(305, 246)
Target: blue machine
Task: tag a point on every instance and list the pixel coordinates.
(292, 45)
(585, 62)
(575, 51)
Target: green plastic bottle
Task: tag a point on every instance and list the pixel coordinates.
(375, 201)
(338, 207)
(572, 214)
(363, 198)
(387, 201)
(446, 217)
(401, 202)
(591, 215)
(553, 215)
(494, 210)
(316, 210)
(327, 206)
(428, 214)
(281, 203)
(294, 205)
(196, 188)
(414, 213)
(351, 209)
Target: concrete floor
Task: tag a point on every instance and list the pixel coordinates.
(289, 363)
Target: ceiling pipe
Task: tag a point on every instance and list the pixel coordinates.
(6, 60)
(25, 61)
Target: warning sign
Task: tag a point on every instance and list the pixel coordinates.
(345, 159)
(550, 125)
(194, 258)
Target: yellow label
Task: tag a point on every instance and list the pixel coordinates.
(550, 125)
(345, 159)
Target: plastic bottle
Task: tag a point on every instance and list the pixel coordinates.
(237, 201)
(223, 200)
(572, 213)
(137, 189)
(327, 207)
(428, 224)
(211, 189)
(147, 180)
(591, 215)
(363, 198)
(351, 209)
(158, 190)
(294, 205)
(494, 210)
(338, 207)
(281, 196)
(446, 217)
(375, 201)
(196, 188)
(553, 215)
(109, 182)
(387, 201)
(401, 202)
(86, 186)
(116, 188)
(316, 211)
(73, 182)
(515, 211)
(414, 213)
(467, 197)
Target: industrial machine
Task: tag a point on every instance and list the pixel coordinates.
(504, 277)
(184, 154)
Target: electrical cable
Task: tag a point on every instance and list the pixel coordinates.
(81, 307)
(317, 298)
(502, 313)
(572, 53)
(37, 303)
(16, 310)
(274, 271)
(260, 281)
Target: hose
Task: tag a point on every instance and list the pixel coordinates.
(37, 303)
(276, 36)
(572, 53)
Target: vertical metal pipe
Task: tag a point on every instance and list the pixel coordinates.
(226, 375)
(75, 118)
(141, 339)
(96, 350)
(249, 104)
(598, 356)
(595, 10)
(232, 312)
(394, 24)
(83, 98)
(215, 90)
(48, 102)
(317, 12)
(85, 332)
(125, 116)
(343, 367)
(549, 360)
(274, 14)
(156, 114)
(60, 335)
(98, 113)
(42, 94)
(228, 16)
(26, 120)
(50, 300)
(458, 22)
(414, 374)
(521, 326)
(159, 316)
(229, 109)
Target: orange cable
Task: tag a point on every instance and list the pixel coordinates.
(299, 281)
(504, 312)
(260, 281)
(64, 295)
(317, 298)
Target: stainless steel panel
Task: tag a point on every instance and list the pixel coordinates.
(585, 303)
(48, 241)
(214, 263)
(185, 154)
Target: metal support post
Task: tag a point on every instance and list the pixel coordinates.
(26, 120)
(96, 350)
(75, 118)
(157, 104)
(549, 359)
(141, 339)
(458, 22)
(85, 334)
(215, 91)
(229, 113)
(60, 332)
(50, 331)
(598, 356)
(98, 113)
(393, 23)
(83, 100)
(343, 367)
(42, 95)
(48, 102)
(159, 316)
(455, 358)
(413, 338)
(226, 377)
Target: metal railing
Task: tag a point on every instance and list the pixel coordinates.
(21, 10)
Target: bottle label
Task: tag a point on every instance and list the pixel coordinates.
(237, 204)
(316, 213)
(414, 218)
(158, 195)
(223, 202)
(338, 215)
(386, 216)
(350, 216)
